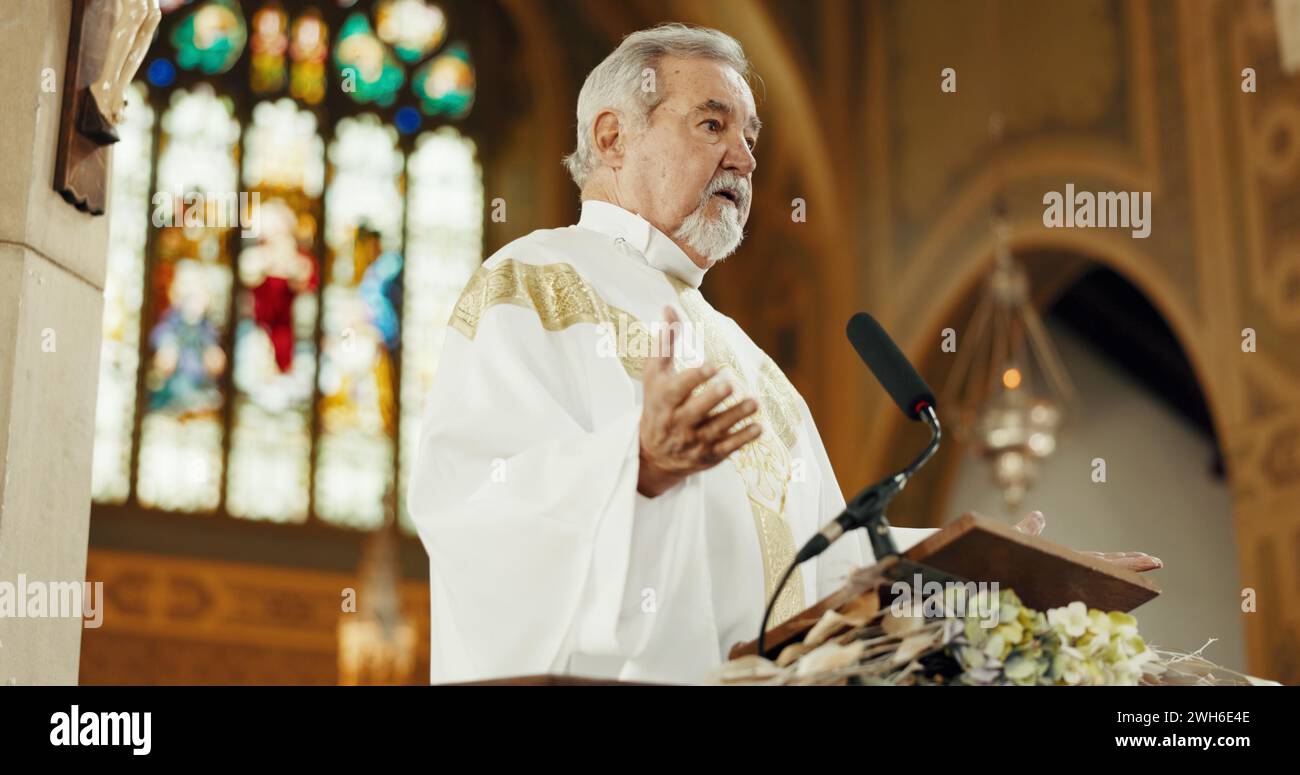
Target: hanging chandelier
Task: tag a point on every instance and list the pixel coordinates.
(1012, 396)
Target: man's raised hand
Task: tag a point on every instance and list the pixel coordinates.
(680, 431)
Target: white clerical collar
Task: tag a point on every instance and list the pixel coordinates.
(659, 251)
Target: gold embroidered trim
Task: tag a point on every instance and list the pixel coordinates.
(560, 297)
(778, 550)
(782, 401)
(765, 464)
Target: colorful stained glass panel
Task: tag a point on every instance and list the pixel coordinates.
(445, 84)
(414, 28)
(310, 44)
(269, 44)
(189, 289)
(357, 409)
(444, 245)
(261, 372)
(367, 69)
(211, 38)
(276, 309)
(119, 357)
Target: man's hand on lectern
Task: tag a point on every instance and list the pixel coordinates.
(1034, 524)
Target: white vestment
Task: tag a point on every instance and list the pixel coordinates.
(543, 557)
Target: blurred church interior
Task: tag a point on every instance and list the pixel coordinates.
(244, 459)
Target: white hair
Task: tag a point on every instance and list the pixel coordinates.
(617, 82)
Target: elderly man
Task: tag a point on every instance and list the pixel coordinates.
(600, 493)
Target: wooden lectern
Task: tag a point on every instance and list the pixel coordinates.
(974, 548)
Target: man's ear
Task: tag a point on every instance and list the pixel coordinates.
(609, 138)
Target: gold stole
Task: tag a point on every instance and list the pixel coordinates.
(765, 464)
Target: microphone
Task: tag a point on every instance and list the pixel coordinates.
(890, 366)
(909, 391)
(867, 509)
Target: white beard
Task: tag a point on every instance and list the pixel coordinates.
(713, 238)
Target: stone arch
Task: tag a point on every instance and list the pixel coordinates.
(894, 440)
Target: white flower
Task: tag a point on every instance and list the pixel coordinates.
(1071, 620)
(994, 646)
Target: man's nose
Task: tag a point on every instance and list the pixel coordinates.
(739, 159)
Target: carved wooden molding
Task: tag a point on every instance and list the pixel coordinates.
(168, 619)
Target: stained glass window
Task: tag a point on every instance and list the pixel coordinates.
(275, 335)
(123, 295)
(358, 376)
(269, 44)
(367, 68)
(185, 352)
(443, 248)
(308, 50)
(445, 84)
(412, 27)
(289, 229)
(211, 37)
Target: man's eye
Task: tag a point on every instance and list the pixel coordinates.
(751, 142)
(713, 125)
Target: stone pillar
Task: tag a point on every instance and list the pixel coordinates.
(51, 298)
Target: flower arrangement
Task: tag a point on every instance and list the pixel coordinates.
(1073, 645)
(990, 639)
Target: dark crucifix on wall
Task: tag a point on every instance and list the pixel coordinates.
(107, 41)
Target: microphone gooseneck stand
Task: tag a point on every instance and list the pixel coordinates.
(867, 509)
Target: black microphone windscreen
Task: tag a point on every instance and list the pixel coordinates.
(890, 366)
